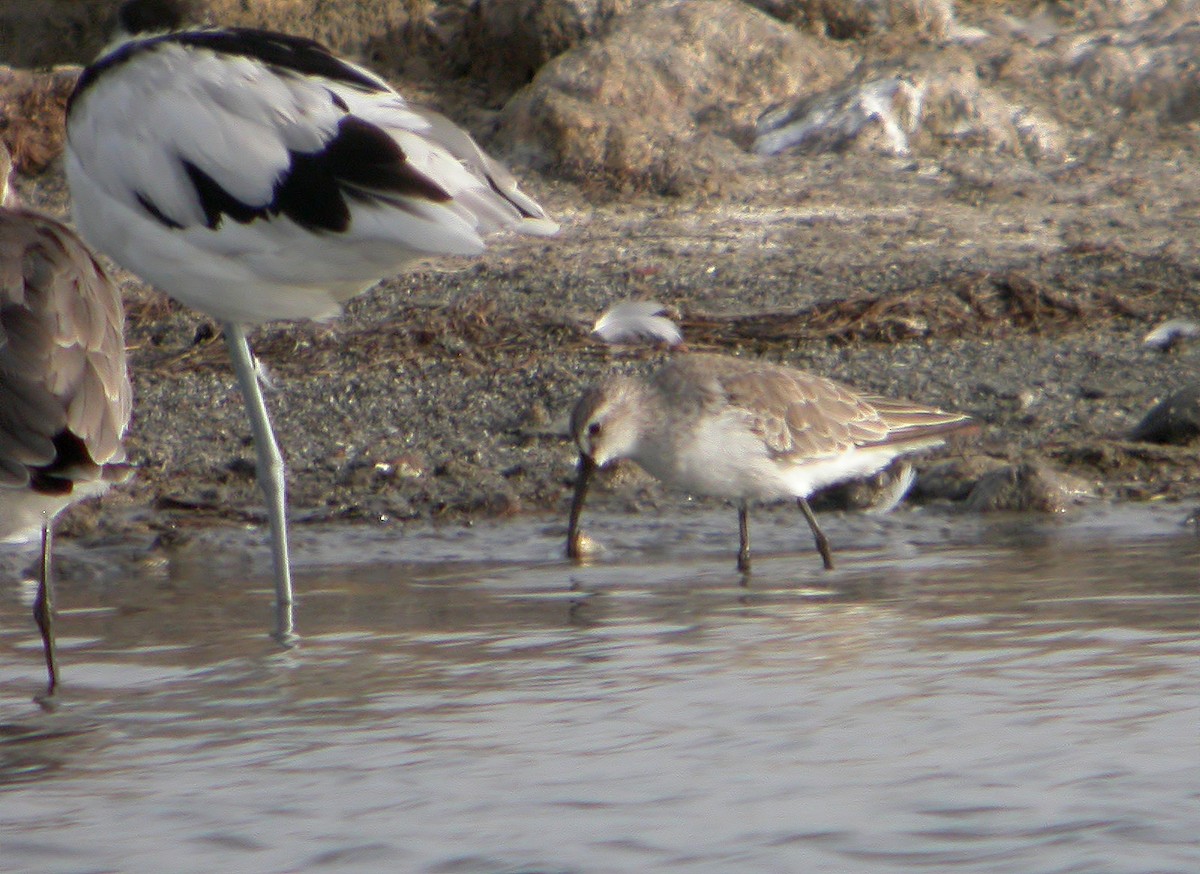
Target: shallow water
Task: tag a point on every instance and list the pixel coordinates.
(1007, 694)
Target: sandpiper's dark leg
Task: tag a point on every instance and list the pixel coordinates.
(743, 561)
(822, 542)
(43, 610)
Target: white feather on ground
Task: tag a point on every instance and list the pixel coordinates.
(1171, 332)
(637, 321)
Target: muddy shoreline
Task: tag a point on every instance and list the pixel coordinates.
(443, 394)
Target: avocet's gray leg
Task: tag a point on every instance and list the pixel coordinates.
(272, 477)
(43, 608)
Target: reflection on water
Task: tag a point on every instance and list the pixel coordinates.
(994, 695)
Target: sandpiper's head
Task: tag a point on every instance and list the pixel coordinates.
(606, 426)
(606, 423)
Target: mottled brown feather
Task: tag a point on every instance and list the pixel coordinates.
(62, 355)
(799, 414)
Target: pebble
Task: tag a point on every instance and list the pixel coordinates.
(1176, 419)
(1028, 485)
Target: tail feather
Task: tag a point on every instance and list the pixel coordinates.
(916, 426)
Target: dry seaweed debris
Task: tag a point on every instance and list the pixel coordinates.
(32, 112)
(475, 330)
(979, 304)
(471, 331)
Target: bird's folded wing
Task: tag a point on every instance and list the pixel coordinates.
(242, 126)
(62, 355)
(802, 415)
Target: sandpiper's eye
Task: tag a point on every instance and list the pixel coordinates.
(593, 429)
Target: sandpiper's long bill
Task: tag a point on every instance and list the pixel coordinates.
(746, 430)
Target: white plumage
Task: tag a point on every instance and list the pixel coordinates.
(153, 108)
(256, 176)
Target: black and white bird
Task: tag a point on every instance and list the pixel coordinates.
(256, 176)
(65, 397)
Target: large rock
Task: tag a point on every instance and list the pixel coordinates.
(854, 19)
(954, 478)
(42, 33)
(924, 101)
(658, 101)
(1144, 66)
(1175, 419)
(388, 35)
(505, 42)
(1028, 486)
(1043, 86)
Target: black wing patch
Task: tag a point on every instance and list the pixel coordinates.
(364, 156)
(282, 53)
(217, 202)
(150, 207)
(56, 478)
(361, 161)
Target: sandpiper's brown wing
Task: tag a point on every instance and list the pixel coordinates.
(914, 424)
(801, 415)
(796, 414)
(65, 397)
(804, 416)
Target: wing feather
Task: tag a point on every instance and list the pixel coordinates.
(248, 125)
(62, 355)
(800, 415)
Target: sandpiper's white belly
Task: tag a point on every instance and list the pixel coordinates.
(23, 511)
(720, 456)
